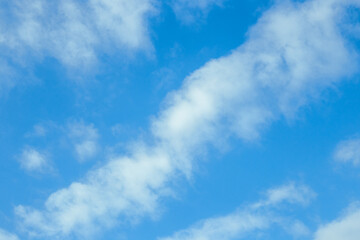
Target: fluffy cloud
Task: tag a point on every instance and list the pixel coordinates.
(249, 220)
(190, 10)
(348, 151)
(4, 235)
(129, 185)
(346, 227)
(84, 139)
(32, 160)
(287, 60)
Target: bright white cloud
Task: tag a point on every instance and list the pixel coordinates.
(190, 10)
(243, 222)
(84, 139)
(288, 60)
(346, 227)
(348, 152)
(32, 160)
(4, 235)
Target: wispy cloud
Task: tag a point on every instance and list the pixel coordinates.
(84, 139)
(348, 152)
(250, 220)
(287, 60)
(292, 193)
(39, 130)
(4, 235)
(188, 11)
(76, 136)
(345, 227)
(32, 160)
(74, 33)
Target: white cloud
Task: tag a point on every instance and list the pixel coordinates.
(241, 223)
(4, 235)
(32, 160)
(73, 32)
(85, 140)
(348, 151)
(287, 60)
(81, 137)
(128, 185)
(346, 227)
(291, 193)
(188, 11)
(233, 226)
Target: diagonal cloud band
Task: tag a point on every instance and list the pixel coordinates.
(294, 52)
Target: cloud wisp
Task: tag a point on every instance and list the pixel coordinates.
(33, 161)
(81, 137)
(291, 193)
(188, 11)
(253, 219)
(286, 62)
(84, 139)
(348, 152)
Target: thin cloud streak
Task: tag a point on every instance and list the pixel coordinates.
(348, 152)
(84, 138)
(250, 220)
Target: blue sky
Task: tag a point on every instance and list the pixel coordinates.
(179, 119)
